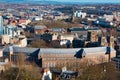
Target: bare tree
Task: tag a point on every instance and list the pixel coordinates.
(20, 63)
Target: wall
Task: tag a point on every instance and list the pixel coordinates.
(109, 17)
(53, 60)
(23, 42)
(5, 39)
(68, 37)
(1, 53)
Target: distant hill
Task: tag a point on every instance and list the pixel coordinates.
(47, 2)
(29, 1)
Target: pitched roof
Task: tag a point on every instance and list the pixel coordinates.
(40, 51)
(40, 27)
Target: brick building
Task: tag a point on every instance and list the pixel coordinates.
(52, 57)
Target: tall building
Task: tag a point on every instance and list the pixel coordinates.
(1, 24)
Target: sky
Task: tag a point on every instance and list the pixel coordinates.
(111, 1)
(98, 1)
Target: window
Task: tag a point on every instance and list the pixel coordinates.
(45, 65)
(53, 64)
(48, 64)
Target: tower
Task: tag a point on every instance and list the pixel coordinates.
(103, 41)
(1, 24)
(92, 36)
(112, 41)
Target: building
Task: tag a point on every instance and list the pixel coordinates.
(65, 42)
(108, 17)
(103, 23)
(55, 37)
(12, 31)
(118, 32)
(5, 39)
(117, 16)
(60, 17)
(57, 30)
(60, 57)
(116, 60)
(107, 40)
(78, 43)
(4, 62)
(52, 57)
(92, 36)
(38, 18)
(41, 29)
(3, 66)
(80, 14)
(69, 37)
(22, 42)
(1, 24)
(79, 32)
(25, 22)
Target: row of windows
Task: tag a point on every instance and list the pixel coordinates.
(61, 64)
(57, 55)
(74, 63)
(49, 65)
(59, 58)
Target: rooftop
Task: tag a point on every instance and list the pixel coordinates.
(40, 51)
(3, 63)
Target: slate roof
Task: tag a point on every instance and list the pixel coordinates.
(88, 51)
(25, 50)
(40, 27)
(76, 29)
(40, 51)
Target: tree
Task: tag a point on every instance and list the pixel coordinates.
(25, 74)
(20, 63)
(40, 44)
(89, 70)
(56, 24)
(102, 71)
(29, 35)
(22, 71)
